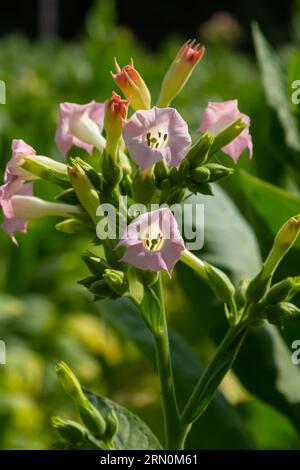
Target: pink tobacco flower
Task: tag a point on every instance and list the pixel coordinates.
(157, 134)
(132, 85)
(219, 115)
(13, 223)
(80, 125)
(20, 150)
(153, 241)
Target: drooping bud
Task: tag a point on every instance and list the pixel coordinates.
(283, 242)
(84, 189)
(116, 280)
(284, 290)
(115, 111)
(132, 85)
(180, 71)
(198, 154)
(69, 430)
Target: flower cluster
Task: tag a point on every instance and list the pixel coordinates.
(146, 155)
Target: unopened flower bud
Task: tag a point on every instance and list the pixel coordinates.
(202, 188)
(115, 112)
(240, 295)
(284, 290)
(283, 242)
(200, 174)
(76, 225)
(132, 85)
(96, 265)
(147, 278)
(165, 184)
(227, 134)
(277, 314)
(69, 430)
(179, 72)
(144, 186)
(218, 172)
(47, 169)
(92, 418)
(84, 189)
(219, 283)
(161, 171)
(111, 169)
(116, 280)
(93, 175)
(198, 154)
(70, 383)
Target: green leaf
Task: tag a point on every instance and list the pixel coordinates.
(220, 415)
(270, 374)
(274, 205)
(133, 433)
(293, 75)
(229, 239)
(275, 88)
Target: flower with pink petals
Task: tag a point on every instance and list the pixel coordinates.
(157, 134)
(132, 85)
(20, 150)
(153, 241)
(219, 115)
(80, 125)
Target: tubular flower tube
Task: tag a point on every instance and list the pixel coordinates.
(153, 241)
(157, 134)
(219, 115)
(80, 125)
(132, 85)
(115, 111)
(180, 71)
(19, 206)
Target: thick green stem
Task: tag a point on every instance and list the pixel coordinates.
(173, 429)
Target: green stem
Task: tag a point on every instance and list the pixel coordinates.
(173, 429)
(217, 368)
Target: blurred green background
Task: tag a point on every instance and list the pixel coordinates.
(45, 316)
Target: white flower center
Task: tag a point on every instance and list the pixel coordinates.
(153, 239)
(156, 139)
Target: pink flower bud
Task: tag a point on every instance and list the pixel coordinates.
(115, 111)
(132, 85)
(179, 72)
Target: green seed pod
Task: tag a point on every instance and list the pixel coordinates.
(200, 174)
(165, 184)
(277, 314)
(161, 171)
(284, 290)
(100, 289)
